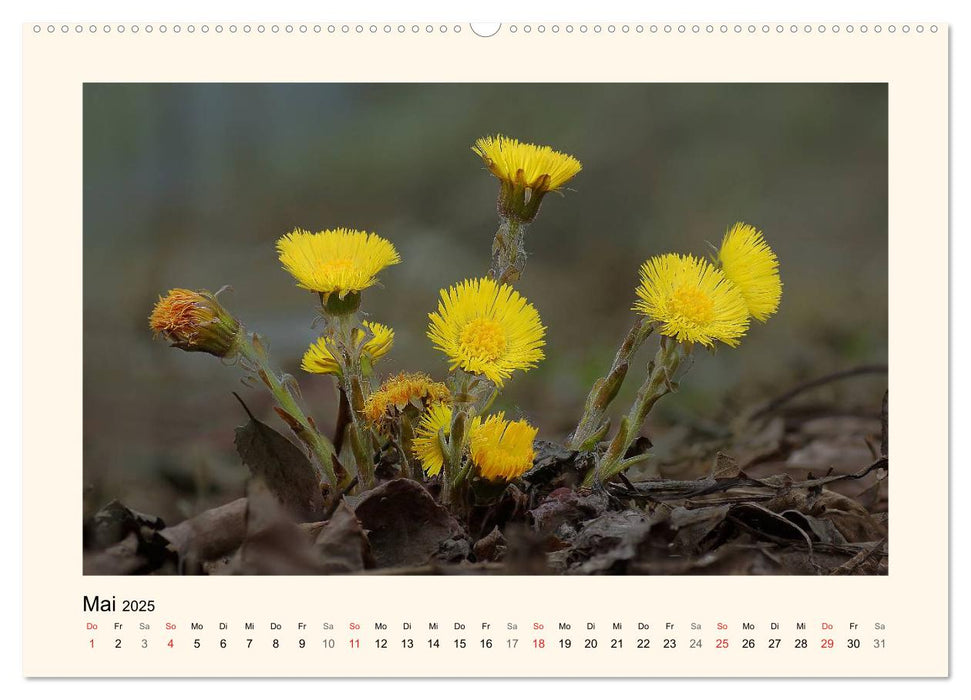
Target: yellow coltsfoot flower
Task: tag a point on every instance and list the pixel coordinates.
(399, 392)
(195, 322)
(488, 329)
(501, 450)
(538, 167)
(748, 261)
(320, 358)
(435, 424)
(691, 300)
(339, 261)
(521, 167)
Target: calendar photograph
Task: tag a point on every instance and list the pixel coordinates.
(485, 329)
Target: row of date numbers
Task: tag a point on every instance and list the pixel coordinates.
(539, 643)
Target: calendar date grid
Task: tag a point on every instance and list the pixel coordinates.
(359, 636)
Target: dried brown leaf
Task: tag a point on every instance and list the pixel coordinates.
(283, 467)
(405, 526)
(342, 545)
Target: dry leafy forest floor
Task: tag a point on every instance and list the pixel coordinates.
(755, 511)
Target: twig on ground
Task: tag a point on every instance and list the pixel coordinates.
(777, 402)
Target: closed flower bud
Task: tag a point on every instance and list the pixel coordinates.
(195, 322)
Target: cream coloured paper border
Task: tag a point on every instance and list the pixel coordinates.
(912, 601)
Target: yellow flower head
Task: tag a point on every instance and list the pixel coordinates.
(502, 450)
(339, 260)
(426, 444)
(195, 322)
(691, 300)
(749, 262)
(404, 390)
(538, 167)
(486, 328)
(320, 358)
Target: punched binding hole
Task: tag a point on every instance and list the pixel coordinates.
(485, 29)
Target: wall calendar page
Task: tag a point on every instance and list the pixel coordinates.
(409, 349)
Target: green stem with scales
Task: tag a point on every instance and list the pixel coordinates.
(251, 349)
(660, 382)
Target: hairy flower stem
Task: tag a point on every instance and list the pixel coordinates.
(463, 411)
(452, 472)
(659, 382)
(508, 251)
(406, 440)
(320, 447)
(593, 424)
(353, 383)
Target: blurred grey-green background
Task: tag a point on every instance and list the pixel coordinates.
(191, 185)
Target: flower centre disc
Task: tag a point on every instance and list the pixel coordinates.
(692, 304)
(482, 339)
(337, 267)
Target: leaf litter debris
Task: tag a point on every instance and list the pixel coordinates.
(759, 509)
